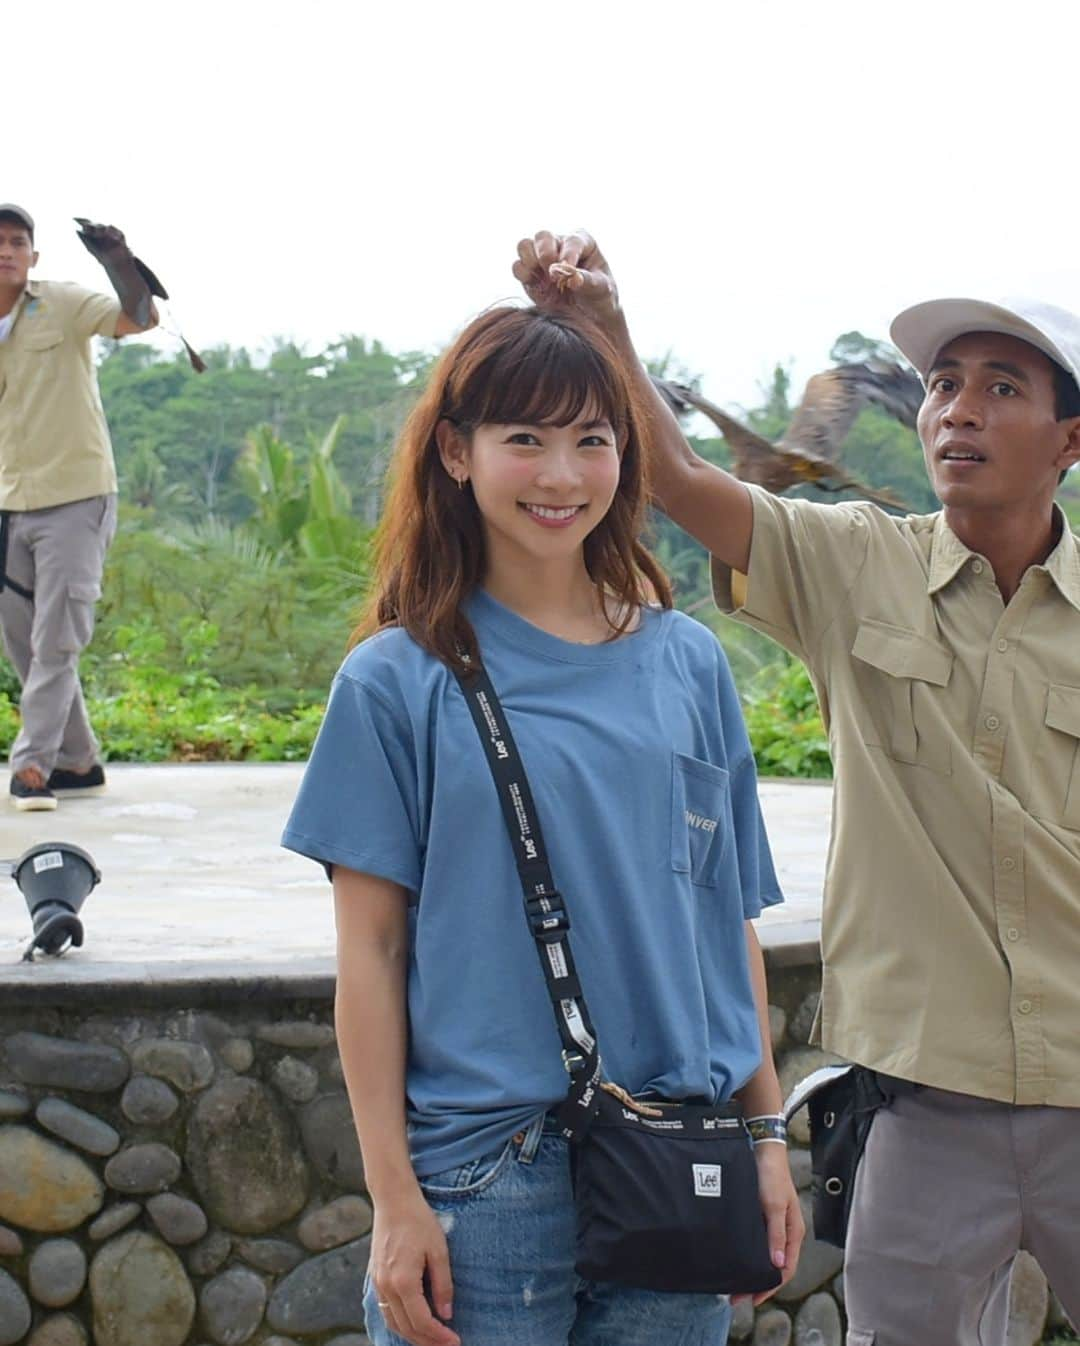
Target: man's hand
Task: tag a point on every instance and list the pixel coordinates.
(407, 1246)
(568, 273)
(783, 1214)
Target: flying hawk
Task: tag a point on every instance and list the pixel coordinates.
(810, 448)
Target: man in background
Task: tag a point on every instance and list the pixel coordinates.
(57, 501)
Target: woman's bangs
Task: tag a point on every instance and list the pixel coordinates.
(549, 376)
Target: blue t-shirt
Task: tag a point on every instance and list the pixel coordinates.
(645, 789)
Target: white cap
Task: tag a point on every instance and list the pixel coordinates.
(922, 331)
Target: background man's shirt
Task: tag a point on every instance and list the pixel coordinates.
(951, 923)
(54, 442)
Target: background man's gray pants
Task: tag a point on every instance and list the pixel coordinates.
(949, 1189)
(58, 554)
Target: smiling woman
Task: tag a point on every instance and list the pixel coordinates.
(526, 451)
(510, 544)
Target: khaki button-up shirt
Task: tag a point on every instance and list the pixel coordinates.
(54, 442)
(951, 918)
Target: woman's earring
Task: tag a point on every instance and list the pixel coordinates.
(460, 483)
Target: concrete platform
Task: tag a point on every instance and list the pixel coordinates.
(196, 889)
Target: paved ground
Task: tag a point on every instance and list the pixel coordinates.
(194, 879)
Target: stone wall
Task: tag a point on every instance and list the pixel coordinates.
(186, 1176)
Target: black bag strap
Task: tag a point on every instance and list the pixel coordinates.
(544, 906)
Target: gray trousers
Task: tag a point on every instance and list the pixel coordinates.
(949, 1190)
(58, 554)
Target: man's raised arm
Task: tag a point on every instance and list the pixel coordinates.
(568, 274)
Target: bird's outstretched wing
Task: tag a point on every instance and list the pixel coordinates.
(777, 467)
(835, 397)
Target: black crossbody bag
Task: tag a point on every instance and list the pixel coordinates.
(666, 1193)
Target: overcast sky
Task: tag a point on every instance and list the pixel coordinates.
(762, 176)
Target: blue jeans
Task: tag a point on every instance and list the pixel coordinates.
(509, 1222)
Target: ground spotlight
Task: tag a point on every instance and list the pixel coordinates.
(55, 878)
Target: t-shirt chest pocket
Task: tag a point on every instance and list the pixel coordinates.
(699, 813)
(901, 715)
(1055, 775)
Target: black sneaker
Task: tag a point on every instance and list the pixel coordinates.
(28, 799)
(84, 783)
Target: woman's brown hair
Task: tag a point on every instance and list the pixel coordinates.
(510, 366)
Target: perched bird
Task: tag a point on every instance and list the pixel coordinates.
(809, 451)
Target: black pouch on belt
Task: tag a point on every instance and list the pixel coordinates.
(666, 1192)
(841, 1102)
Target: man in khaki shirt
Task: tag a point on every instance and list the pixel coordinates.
(57, 509)
(946, 654)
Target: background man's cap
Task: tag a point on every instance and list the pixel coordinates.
(921, 332)
(9, 208)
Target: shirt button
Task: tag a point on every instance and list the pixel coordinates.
(992, 722)
(1012, 934)
(1024, 1007)
(1003, 647)
(1008, 863)
(977, 567)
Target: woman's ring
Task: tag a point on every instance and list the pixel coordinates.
(382, 1303)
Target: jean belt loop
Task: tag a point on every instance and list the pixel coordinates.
(531, 1143)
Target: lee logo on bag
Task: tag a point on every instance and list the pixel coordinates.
(707, 1180)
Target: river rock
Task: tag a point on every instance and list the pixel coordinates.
(14, 1311)
(347, 1218)
(143, 1168)
(78, 1128)
(1029, 1300)
(773, 1328)
(231, 1306)
(279, 1341)
(177, 1220)
(243, 1157)
(43, 1186)
(298, 1081)
(114, 1219)
(211, 1254)
(323, 1293)
(274, 1256)
(238, 1054)
(818, 1262)
(330, 1141)
(58, 1063)
(187, 1065)
(147, 1101)
(57, 1272)
(803, 1020)
(349, 1339)
(818, 1323)
(299, 1035)
(13, 1106)
(742, 1320)
(11, 1245)
(60, 1330)
(140, 1293)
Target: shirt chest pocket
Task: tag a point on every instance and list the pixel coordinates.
(1055, 775)
(902, 713)
(40, 347)
(700, 809)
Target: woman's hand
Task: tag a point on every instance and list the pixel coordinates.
(407, 1245)
(783, 1214)
(568, 273)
